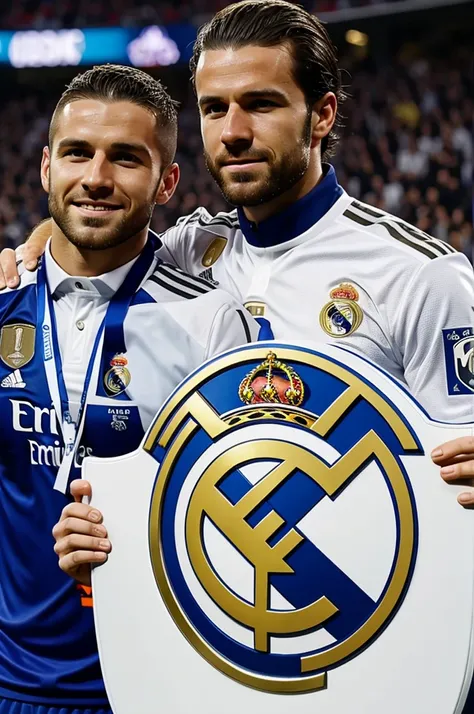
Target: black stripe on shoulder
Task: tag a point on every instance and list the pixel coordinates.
(394, 228)
(440, 245)
(194, 278)
(245, 325)
(171, 288)
(400, 237)
(369, 211)
(183, 279)
(416, 233)
(358, 219)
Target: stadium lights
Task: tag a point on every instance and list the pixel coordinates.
(355, 37)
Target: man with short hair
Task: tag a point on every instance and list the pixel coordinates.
(91, 345)
(298, 249)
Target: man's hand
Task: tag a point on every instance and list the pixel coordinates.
(29, 252)
(81, 539)
(456, 458)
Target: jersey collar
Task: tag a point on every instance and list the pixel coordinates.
(61, 283)
(297, 218)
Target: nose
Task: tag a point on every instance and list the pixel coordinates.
(97, 175)
(237, 129)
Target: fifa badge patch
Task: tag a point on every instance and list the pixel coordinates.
(17, 344)
(342, 315)
(459, 359)
(117, 378)
(213, 251)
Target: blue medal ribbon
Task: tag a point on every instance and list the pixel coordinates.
(112, 329)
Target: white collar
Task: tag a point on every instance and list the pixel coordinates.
(61, 283)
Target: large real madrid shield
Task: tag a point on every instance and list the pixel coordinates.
(282, 532)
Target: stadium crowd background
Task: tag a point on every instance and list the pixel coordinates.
(406, 148)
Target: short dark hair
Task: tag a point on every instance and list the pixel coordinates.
(116, 83)
(267, 23)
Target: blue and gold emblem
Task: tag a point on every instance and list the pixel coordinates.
(262, 453)
(342, 315)
(117, 378)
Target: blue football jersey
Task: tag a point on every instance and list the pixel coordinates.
(48, 651)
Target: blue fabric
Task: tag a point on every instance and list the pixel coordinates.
(265, 332)
(9, 706)
(297, 218)
(48, 649)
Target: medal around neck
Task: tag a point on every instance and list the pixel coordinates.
(285, 532)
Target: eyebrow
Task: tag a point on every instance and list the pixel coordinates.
(116, 146)
(251, 94)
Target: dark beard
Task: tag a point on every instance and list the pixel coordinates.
(118, 234)
(291, 169)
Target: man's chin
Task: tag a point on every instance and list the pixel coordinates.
(247, 193)
(94, 237)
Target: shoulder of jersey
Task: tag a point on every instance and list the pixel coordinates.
(222, 224)
(395, 232)
(170, 284)
(192, 302)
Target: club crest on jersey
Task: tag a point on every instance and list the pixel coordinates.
(213, 251)
(459, 359)
(17, 344)
(117, 378)
(342, 315)
(245, 504)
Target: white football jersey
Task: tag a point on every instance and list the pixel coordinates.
(356, 277)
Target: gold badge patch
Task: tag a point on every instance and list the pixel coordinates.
(17, 344)
(213, 251)
(256, 309)
(342, 315)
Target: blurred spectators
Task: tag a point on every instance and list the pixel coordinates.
(52, 14)
(407, 149)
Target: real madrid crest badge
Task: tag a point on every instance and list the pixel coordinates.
(342, 315)
(117, 378)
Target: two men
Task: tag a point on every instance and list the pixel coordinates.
(91, 344)
(298, 249)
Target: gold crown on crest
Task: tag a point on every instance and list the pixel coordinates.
(262, 384)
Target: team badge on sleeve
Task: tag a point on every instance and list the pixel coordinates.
(342, 315)
(17, 344)
(459, 358)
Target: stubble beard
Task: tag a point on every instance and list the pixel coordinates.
(290, 169)
(116, 235)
